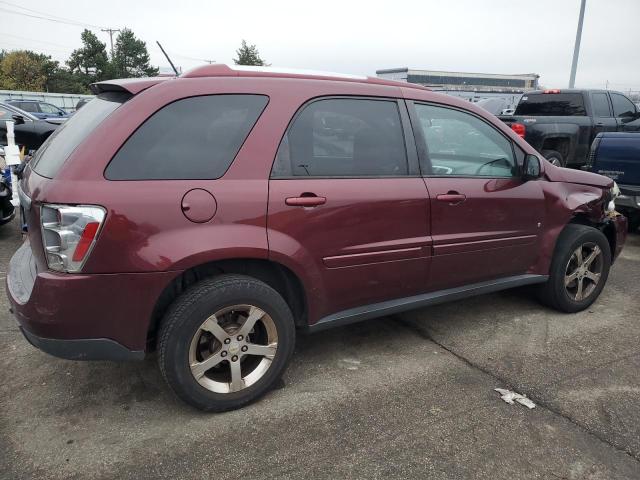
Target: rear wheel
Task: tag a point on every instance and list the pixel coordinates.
(579, 269)
(554, 157)
(225, 342)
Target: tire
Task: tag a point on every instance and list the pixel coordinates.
(554, 157)
(565, 263)
(206, 322)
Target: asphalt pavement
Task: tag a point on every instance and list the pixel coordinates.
(408, 396)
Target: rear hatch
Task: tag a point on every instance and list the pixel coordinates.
(617, 155)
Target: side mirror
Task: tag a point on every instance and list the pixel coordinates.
(19, 119)
(531, 169)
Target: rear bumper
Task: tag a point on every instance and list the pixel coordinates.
(83, 316)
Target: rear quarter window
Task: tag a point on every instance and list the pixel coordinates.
(57, 148)
(189, 139)
(552, 105)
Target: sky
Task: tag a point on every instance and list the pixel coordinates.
(358, 37)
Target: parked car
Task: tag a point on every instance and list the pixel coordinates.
(30, 131)
(39, 109)
(617, 155)
(561, 124)
(222, 215)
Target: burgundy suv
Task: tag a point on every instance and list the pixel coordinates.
(213, 215)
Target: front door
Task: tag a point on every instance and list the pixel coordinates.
(485, 220)
(348, 207)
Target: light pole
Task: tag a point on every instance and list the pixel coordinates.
(576, 50)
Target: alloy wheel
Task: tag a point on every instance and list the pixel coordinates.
(583, 271)
(233, 348)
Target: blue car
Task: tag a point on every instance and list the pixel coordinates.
(617, 155)
(39, 109)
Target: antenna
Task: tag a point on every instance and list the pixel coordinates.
(170, 62)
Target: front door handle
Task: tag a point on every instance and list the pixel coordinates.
(305, 201)
(452, 198)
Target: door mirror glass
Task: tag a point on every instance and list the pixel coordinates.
(531, 168)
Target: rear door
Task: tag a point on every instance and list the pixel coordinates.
(485, 220)
(347, 204)
(603, 119)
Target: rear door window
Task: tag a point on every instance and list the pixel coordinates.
(343, 137)
(552, 105)
(601, 105)
(57, 148)
(192, 138)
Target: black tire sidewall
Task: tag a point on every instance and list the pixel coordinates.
(550, 154)
(574, 236)
(192, 309)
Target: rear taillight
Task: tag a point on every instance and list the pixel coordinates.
(69, 233)
(519, 129)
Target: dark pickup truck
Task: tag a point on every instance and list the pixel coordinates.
(562, 124)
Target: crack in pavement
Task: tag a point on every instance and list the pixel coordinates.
(509, 384)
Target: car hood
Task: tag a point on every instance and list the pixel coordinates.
(569, 175)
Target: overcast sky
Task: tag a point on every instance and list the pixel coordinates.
(492, 36)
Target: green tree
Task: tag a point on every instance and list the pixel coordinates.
(24, 70)
(130, 57)
(249, 55)
(89, 63)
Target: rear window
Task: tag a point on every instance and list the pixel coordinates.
(55, 151)
(193, 138)
(552, 105)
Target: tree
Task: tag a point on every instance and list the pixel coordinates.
(249, 55)
(130, 57)
(90, 62)
(24, 70)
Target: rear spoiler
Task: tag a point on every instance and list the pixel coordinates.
(129, 85)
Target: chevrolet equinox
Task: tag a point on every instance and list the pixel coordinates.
(214, 215)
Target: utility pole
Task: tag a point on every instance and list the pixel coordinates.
(111, 31)
(576, 50)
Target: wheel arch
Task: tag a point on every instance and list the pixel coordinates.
(276, 275)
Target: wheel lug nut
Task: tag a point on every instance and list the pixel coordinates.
(244, 348)
(227, 340)
(234, 358)
(240, 337)
(223, 353)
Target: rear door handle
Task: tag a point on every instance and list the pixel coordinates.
(306, 201)
(452, 198)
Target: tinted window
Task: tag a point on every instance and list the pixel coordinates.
(57, 148)
(343, 138)
(461, 144)
(193, 138)
(601, 105)
(552, 105)
(27, 106)
(622, 106)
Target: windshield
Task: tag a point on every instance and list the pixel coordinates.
(59, 146)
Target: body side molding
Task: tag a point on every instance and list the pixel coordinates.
(390, 307)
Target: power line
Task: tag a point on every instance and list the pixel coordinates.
(15, 5)
(55, 20)
(37, 41)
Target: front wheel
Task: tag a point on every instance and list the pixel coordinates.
(579, 269)
(225, 342)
